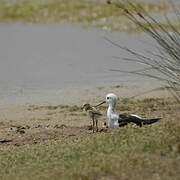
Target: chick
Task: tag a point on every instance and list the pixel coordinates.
(94, 114)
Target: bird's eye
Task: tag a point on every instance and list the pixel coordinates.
(108, 97)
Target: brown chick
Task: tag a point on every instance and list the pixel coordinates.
(94, 114)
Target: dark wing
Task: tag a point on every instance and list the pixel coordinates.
(150, 121)
(126, 119)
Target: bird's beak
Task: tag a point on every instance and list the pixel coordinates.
(100, 103)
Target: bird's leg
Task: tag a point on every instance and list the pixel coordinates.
(93, 123)
(96, 125)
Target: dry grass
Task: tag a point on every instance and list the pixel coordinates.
(88, 13)
(166, 61)
(150, 152)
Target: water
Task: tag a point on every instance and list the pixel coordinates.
(36, 59)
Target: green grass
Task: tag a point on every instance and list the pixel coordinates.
(150, 152)
(101, 15)
(129, 153)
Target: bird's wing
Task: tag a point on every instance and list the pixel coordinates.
(97, 113)
(135, 115)
(94, 113)
(125, 118)
(144, 121)
(133, 118)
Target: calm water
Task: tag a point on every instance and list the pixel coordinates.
(40, 58)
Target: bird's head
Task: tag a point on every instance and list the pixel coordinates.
(86, 107)
(111, 99)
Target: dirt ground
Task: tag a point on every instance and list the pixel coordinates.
(34, 124)
(56, 141)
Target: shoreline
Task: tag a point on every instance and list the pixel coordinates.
(77, 95)
(51, 121)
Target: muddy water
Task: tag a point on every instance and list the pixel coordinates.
(36, 59)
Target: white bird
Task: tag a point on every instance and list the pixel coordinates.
(116, 120)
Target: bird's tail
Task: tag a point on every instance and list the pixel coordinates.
(150, 121)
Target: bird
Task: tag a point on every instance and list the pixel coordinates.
(94, 114)
(117, 120)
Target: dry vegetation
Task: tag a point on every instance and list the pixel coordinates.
(88, 13)
(166, 61)
(60, 146)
